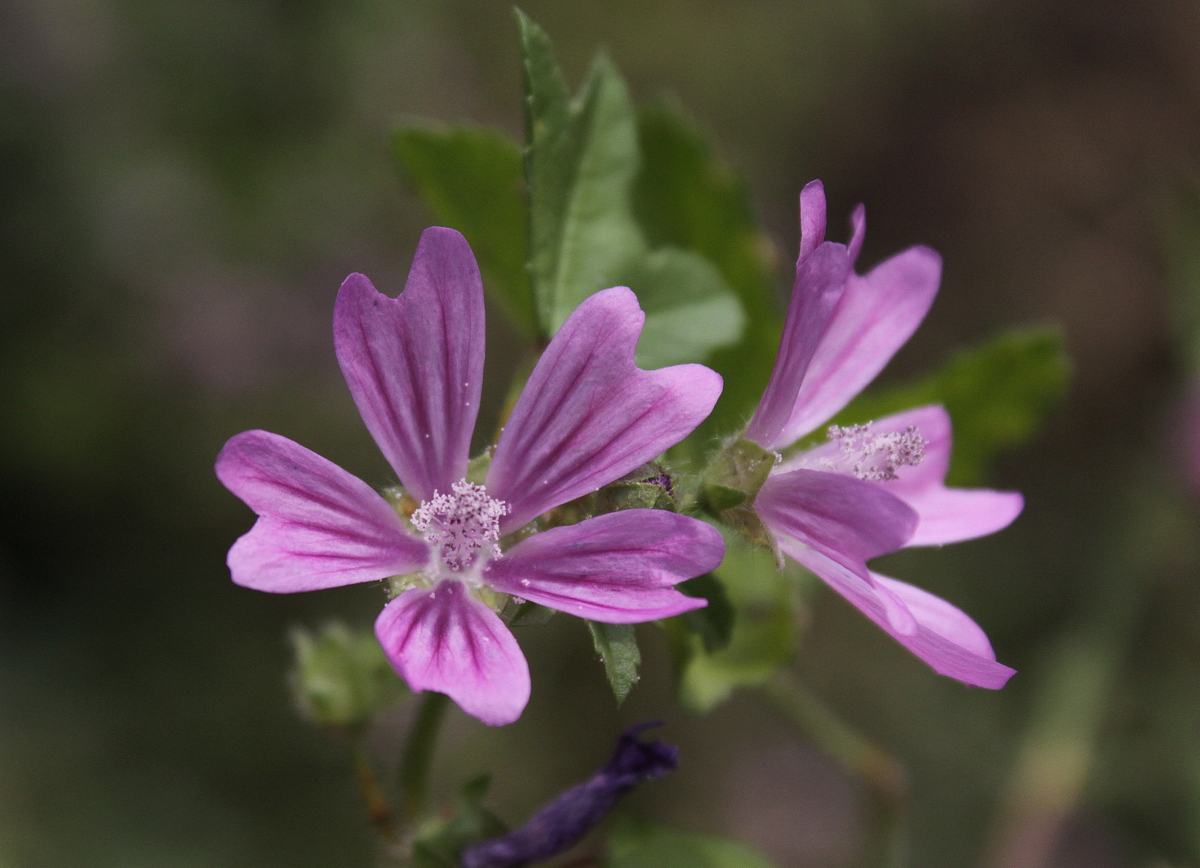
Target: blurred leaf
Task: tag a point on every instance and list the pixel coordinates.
(471, 179)
(996, 395)
(645, 845)
(762, 637)
(581, 160)
(689, 307)
(714, 623)
(439, 843)
(618, 648)
(342, 678)
(685, 197)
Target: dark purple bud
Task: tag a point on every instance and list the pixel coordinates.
(566, 819)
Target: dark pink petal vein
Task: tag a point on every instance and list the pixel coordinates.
(414, 364)
(619, 568)
(443, 639)
(589, 415)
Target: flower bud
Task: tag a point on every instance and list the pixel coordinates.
(341, 679)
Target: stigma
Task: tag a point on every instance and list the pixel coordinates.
(875, 457)
(461, 526)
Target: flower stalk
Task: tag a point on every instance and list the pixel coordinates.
(418, 753)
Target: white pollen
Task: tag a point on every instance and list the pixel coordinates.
(875, 456)
(461, 525)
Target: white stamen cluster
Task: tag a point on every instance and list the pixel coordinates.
(461, 524)
(875, 457)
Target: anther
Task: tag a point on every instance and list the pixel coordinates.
(873, 456)
(461, 525)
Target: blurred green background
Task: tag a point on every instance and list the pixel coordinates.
(184, 184)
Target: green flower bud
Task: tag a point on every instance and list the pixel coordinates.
(342, 678)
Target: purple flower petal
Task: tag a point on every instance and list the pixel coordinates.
(414, 364)
(950, 515)
(820, 282)
(618, 568)
(589, 415)
(876, 315)
(318, 526)
(443, 639)
(846, 519)
(947, 515)
(937, 632)
(812, 218)
(858, 229)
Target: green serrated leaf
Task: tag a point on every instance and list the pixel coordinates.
(714, 623)
(618, 648)
(684, 196)
(762, 638)
(635, 844)
(690, 310)
(580, 163)
(996, 394)
(471, 179)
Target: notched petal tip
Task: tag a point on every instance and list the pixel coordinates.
(318, 526)
(812, 217)
(414, 364)
(588, 414)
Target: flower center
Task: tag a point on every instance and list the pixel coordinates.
(460, 525)
(875, 456)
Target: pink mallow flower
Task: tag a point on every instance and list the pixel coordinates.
(587, 416)
(870, 489)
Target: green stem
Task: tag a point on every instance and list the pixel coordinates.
(880, 775)
(418, 754)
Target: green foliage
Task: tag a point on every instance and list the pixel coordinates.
(439, 843)
(684, 196)
(689, 308)
(471, 179)
(342, 678)
(714, 623)
(732, 480)
(761, 638)
(581, 162)
(618, 648)
(646, 845)
(996, 394)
